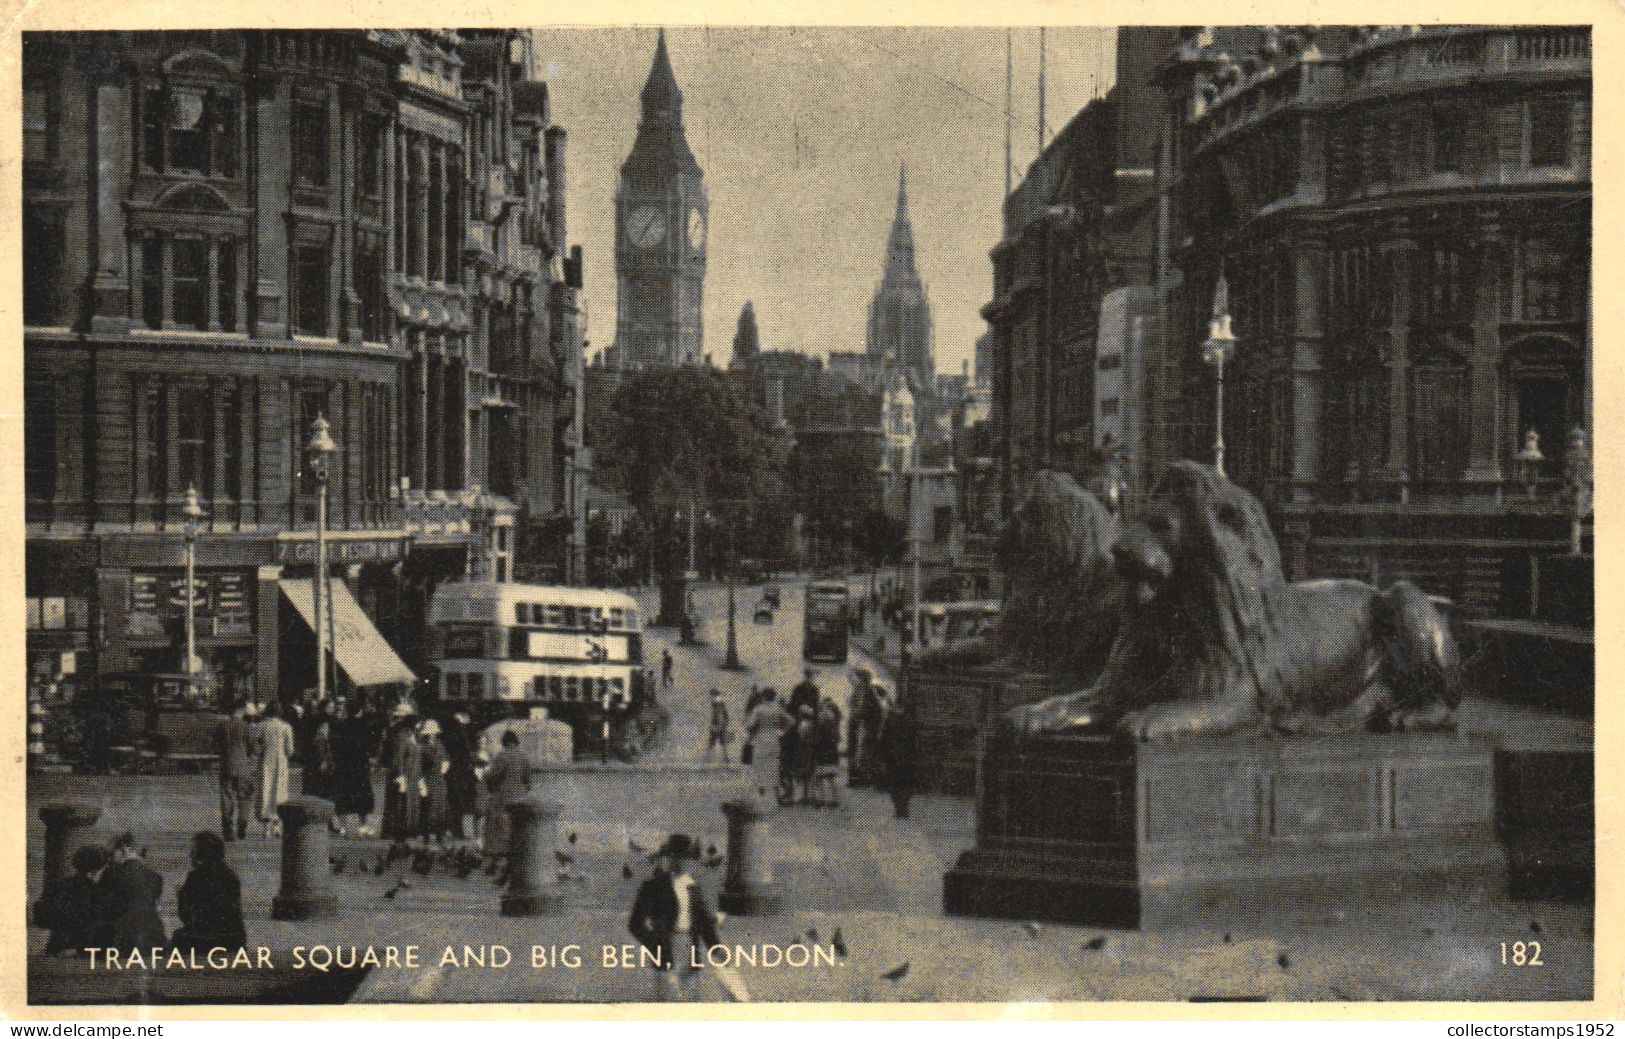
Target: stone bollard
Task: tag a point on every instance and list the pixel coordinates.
(67, 829)
(533, 832)
(745, 891)
(307, 872)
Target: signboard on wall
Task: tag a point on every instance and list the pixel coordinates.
(158, 601)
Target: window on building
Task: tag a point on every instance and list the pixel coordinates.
(152, 282)
(231, 440)
(1110, 362)
(39, 439)
(1549, 132)
(1109, 407)
(190, 278)
(189, 129)
(436, 243)
(226, 285)
(369, 288)
(310, 142)
(369, 164)
(194, 438)
(1550, 278)
(1444, 295)
(39, 120)
(311, 290)
(1449, 141)
(43, 252)
(1438, 423)
(154, 403)
(942, 522)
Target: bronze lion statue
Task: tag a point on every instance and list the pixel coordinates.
(1214, 639)
(1063, 597)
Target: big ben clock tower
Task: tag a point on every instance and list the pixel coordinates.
(661, 221)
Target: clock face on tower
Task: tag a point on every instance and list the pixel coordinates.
(646, 227)
(696, 229)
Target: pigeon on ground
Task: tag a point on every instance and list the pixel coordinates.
(838, 943)
(1032, 928)
(1227, 938)
(896, 974)
(635, 846)
(1534, 925)
(710, 850)
(338, 863)
(626, 870)
(572, 836)
(1283, 961)
(812, 935)
(400, 885)
(565, 858)
(1099, 942)
(382, 866)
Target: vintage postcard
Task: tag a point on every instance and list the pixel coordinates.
(834, 515)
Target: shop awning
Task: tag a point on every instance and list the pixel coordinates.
(357, 646)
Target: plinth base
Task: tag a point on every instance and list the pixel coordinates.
(533, 903)
(1104, 832)
(303, 906)
(756, 900)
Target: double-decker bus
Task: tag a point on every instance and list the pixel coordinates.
(499, 648)
(823, 626)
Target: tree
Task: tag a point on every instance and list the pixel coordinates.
(836, 479)
(880, 538)
(687, 441)
(747, 340)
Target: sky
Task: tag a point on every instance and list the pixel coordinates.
(800, 133)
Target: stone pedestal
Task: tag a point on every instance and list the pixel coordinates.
(1105, 832)
(307, 871)
(68, 827)
(952, 707)
(531, 889)
(746, 891)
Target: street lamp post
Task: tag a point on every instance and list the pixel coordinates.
(1529, 460)
(1221, 343)
(321, 448)
(693, 507)
(730, 661)
(194, 514)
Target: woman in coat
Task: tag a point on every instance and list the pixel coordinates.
(462, 784)
(436, 766)
(403, 784)
(273, 746)
(210, 901)
(508, 780)
(320, 767)
(353, 748)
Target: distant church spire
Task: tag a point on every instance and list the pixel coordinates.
(901, 271)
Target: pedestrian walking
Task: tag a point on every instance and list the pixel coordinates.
(721, 734)
(320, 778)
(210, 900)
(354, 743)
(127, 900)
(671, 920)
(403, 787)
(665, 668)
(436, 768)
(461, 782)
(764, 731)
(507, 780)
(234, 745)
(802, 743)
(805, 694)
(899, 750)
(273, 748)
(827, 756)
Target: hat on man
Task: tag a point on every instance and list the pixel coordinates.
(678, 845)
(402, 710)
(430, 728)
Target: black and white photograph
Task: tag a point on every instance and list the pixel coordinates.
(758, 514)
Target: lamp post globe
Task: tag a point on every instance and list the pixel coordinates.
(1216, 351)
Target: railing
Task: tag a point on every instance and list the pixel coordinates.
(1553, 44)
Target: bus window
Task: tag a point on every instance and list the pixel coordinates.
(617, 617)
(555, 615)
(476, 685)
(617, 689)
(521, 613)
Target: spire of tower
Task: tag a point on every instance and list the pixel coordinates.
(900, 268)
(660, 90)
(902, 191)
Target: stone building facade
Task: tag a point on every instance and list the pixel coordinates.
(1403, 217)
(228, 234)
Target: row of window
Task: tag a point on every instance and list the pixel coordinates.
(457, 686)
(1541, 279)
(575, 618)
(1451, 139)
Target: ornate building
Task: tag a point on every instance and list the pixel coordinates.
(661, 222)
(229, 234)
(1403, 217)
(899, 313)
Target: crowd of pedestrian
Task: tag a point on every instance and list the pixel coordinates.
(111, 901)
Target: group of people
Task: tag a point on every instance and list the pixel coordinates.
(797, 741)
(110, 901)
